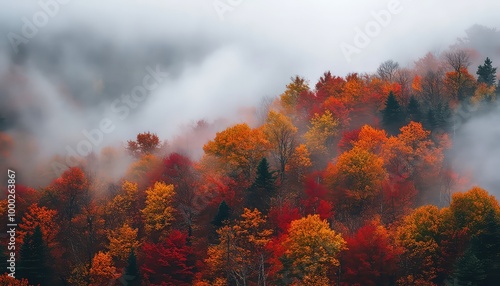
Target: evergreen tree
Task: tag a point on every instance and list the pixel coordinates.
(469, 270)
(223, 214)
(413, 110)
(34, 259)
(263, 189)
(132, 269)
(392, 115)
(430, 120)
(442, 115)
(486, 73)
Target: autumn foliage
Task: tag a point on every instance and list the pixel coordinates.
(347, 181)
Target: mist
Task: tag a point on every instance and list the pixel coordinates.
(66, 78)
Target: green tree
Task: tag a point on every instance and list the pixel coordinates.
(486, 73)
(392, 115)
(413, 110)
(34, 259)
(469, 270)
(132, 268)
(260, 193)
(223, 214)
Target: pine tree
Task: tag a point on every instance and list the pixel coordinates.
(442, 115)
(469, 270)
(223, 214)
(413, 110)
(392, 115)
(34, 259)
(430, 120)
(132, 269)
(263, 189)
(486, 73)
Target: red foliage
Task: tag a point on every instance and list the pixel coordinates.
(370, 259)
(167, 263)
(348, 138)
(281, 217)
(315, 201)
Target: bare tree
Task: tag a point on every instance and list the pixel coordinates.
(404, 78)
(457, 60)
(387, 70)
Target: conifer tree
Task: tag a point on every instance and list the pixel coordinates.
(486, 73)
(34, 259)
(392, 115)
(263, 189)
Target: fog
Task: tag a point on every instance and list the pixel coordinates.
(221, 58)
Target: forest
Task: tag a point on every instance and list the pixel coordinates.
(345, 181)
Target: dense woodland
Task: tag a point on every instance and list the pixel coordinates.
(342, 182)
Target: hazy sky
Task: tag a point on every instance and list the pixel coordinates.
(219, 55)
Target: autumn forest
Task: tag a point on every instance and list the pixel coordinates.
(340, 180)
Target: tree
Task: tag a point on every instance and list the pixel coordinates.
(419, 236)
(239, 149)
(158, 212)
(322, 131)
(39, 217)
(280, 132)
(146, 143)
(387, 70)
(356, 179)
(469, 270)
(299, 162)
(263, 189)
(392, 114)
(487, 73)
(68, 193)
(240, 253)
(122, 241)
(166, 262)
(292, 93)
(413, 111)
(34, 259)
(311, 249)
(102, 271)
(132, 268)
(6, 280)
(459, 84)
(223, 214)
(370, 258)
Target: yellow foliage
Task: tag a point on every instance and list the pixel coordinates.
(121, 241)
(239, 147)
(321, 133)
(102, 271)
(311, 247)
(158, 212)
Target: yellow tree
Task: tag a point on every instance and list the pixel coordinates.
(158, 212)
(419, 236)
(356, 178)
(123, 207)
(138, 170)
(292, 93)
(240, 253)
(321, 134)
(299, 162)
(311, 249)
(468, 211)
(280, 132)
(102, 271)
(239, 149)
(121, 241)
